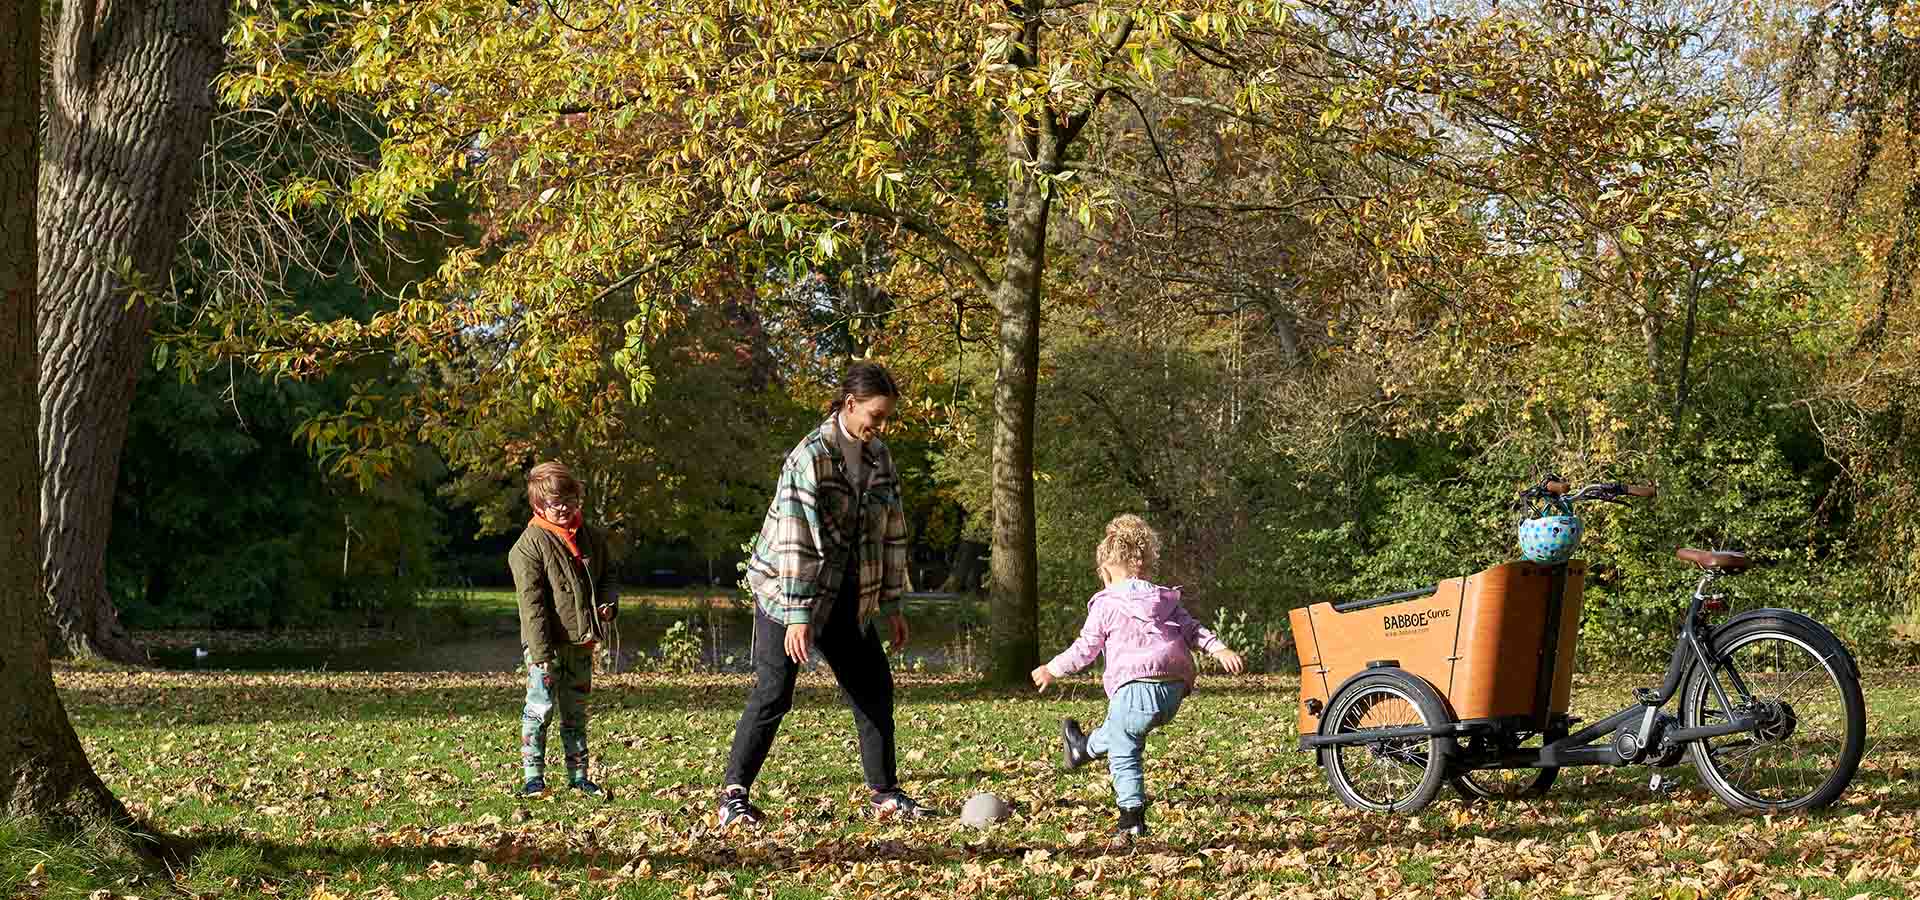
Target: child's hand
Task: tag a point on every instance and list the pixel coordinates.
(1041, 678)
(1231, 661)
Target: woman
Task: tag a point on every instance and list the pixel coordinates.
(829, 564)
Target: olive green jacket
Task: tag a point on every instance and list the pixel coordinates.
(557, 599)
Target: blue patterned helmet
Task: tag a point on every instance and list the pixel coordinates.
(1550, 537)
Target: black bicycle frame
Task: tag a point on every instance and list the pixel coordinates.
(1692, 646)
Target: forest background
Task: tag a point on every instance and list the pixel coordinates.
(1315, 288)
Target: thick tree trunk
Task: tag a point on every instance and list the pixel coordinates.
(44, 773)
(1015, 559)
(128, 114)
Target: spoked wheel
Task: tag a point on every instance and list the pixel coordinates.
(1504, 784)
(1388, 775)
(1805, 689)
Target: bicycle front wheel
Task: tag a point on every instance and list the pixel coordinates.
(1802, 684)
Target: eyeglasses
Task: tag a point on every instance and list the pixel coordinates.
(564, 505)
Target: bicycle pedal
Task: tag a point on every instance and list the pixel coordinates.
(1661, 784)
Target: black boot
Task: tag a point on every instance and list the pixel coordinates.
(1132, 824)
(1075, 742)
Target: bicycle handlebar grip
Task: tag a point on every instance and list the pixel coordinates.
(1642, 490)
(1556, 487)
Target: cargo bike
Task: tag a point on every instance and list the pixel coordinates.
(1468, 683)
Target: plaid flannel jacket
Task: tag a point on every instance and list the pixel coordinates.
(800, 557)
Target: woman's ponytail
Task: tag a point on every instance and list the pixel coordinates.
(863, 380)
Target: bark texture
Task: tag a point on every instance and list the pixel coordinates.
(1015, 558)
(44, 773)
(1040, 141)
(128, 114)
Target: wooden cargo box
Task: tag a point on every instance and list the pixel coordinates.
(1482, 641)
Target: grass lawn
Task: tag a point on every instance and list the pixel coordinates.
(322, 786)
(501, 601)
(483, 602)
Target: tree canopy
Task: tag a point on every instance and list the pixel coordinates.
(1329, 277)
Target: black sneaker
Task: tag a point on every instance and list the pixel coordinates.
(534, 787)
(587, 787)
(734, 808)
(1075, 742)
(1132, 824)
(895, 804)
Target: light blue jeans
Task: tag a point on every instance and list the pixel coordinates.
(1135, 710)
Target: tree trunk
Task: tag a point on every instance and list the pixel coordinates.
(1015, 559)
(128, 114)
(1681, 385)
(964, 576)
(1653, 323)
(44, 773)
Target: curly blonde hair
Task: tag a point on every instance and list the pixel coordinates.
(1130, 545)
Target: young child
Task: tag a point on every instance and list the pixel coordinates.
(567, 605)
(1146, 635)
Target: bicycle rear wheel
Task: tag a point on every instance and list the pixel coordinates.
(1806, 689)
(1388, 775)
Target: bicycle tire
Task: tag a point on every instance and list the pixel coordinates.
(1846, 711)
(1386, 698)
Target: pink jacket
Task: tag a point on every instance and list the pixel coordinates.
(1145, 633)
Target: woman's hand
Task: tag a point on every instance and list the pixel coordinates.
(799, 638)
(899, 621)
(1231, 661)
(1042, 677)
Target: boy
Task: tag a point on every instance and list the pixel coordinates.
(566, 607)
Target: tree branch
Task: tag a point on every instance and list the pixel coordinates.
(1222, 59)
(826, 54)
(1079, 117)
(805, 148)
(949, 247)
(1173, 184)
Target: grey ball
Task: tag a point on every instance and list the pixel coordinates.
(984, 809)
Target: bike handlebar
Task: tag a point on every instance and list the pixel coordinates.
(1609, 491)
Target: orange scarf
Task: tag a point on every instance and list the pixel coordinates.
(562, 533)
(572, 546)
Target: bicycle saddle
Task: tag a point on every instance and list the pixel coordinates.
(1724, 560)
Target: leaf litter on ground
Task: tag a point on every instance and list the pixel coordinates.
(390, 785)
